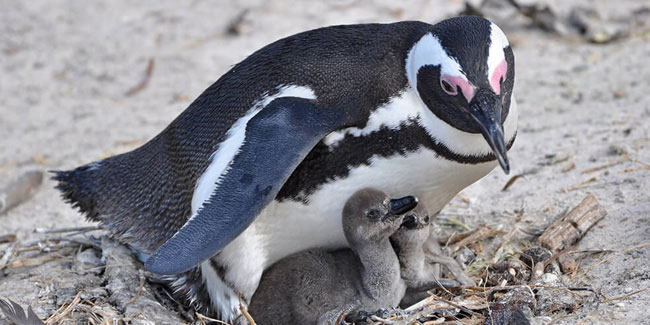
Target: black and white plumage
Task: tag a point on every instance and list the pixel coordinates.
(262, 161)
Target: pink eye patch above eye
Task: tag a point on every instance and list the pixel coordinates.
(499, 73)
(457, 82)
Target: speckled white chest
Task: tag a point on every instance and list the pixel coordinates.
(292, 226)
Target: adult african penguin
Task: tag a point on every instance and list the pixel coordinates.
(260, 165)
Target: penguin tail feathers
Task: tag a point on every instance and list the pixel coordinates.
(77, 188)
(137, 195)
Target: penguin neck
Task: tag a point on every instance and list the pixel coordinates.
(380, 264)
(411, 257)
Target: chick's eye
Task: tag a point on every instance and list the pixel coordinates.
(373, 213)
(426, 219)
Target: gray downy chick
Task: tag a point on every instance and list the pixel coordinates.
(417, 266)
(321, 287)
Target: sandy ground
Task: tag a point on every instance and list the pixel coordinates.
(66, 66)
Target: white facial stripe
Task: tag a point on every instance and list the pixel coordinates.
(229, 148)
(498, 43)
(469, 144)
(428, 51)
(409, 105)
(398, 110)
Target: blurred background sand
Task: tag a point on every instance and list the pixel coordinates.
(66, 68)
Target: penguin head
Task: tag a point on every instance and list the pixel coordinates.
(370, 215)
(417, 218)
(414, 230)
(463, 71)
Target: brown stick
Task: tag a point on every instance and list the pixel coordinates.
(202, 317)
(137, 295)
(72, 229)
(7, 255)
(614, 255)
(582, 183)
(9, 238)
(20, 190)
(482, 233)
(510, 182)
(568, 229)
(32, 261)
(624, 296)
(595, 169)
(145, 81)
(54, 319)
(244, 311)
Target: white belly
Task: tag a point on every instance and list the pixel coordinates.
(290, 226)
(287, 227)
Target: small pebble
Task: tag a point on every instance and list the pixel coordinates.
(548, 278)
(538, 254)
(618, 150)
(541, 320)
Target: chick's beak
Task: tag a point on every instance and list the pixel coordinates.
(402, 205)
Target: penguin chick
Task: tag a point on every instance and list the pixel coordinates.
(416, 267)
(320, 287)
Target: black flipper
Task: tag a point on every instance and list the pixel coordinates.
(277, 139)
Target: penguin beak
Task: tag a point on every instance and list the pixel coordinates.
(402, 205)
(485, 108)
(410, 222)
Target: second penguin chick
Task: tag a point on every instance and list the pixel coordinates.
(415, 266)
(320, 287)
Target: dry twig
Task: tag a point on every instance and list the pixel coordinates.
(613, 256)
(62, 230)
(145, 81)
(624, 296)
(244, 312)
(595, 169)
(568, 229)
(203, 317)
(137, 295)
(481, 233)
(7, 255)
(33, 261)
(453, 304)
(9, 238)
(57, 317)
(582, 183)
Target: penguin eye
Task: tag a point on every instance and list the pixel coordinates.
(426, 218)
(373, 213)
(448, 88)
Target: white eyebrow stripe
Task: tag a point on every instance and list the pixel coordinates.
(429, 51)
(498, 42)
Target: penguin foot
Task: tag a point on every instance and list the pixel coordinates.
(435, 256)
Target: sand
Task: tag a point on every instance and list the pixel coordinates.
(67, 66)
